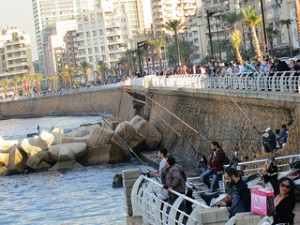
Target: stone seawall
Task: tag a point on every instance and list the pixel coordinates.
(113, 100)
(216, 117)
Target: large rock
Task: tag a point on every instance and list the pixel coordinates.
(67, 152)
(29, 148)
(66, 140)
(44, 140)
(58, 135)
(98, 154)
(17, 161)
(4, 171)
(111, 123)
(35, 159)
(79, 132)
(135, 120)
(128, 134)
(151, 134)
(4, 158)
(7, 145)
(66, 165)
(98, 136)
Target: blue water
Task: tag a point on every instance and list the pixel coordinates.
(77, 196)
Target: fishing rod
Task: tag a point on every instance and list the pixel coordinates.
(121, 139)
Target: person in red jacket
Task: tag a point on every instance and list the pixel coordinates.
(215, 164)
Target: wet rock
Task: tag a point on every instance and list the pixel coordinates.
(43, 166)
(117, 181)
(151, 134)
(69, 151)
(17, 161)
(27, 146)
(111, 123)
(66, 165)
(79, 132)
(4, 171)
(7, 145)
(135, 120)
(35, 160)
(44, 140)
(4, 158)
(98, 136)
(98, 154)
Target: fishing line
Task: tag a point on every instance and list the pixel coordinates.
(121, 139)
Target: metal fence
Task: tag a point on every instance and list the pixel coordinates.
(286, 82)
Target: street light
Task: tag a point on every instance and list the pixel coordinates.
(133, 59)
(278, 2)
(141, 44)
(209, 14)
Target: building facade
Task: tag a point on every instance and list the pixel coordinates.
(15, 53)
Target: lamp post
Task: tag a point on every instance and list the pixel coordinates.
(209, 14)
(133, 60)
(264, 26)
(141, 44)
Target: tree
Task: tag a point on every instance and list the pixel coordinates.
(71, 72)
(4, 83)
(158, 43)
(175, 26)
(66, 77)
(252, 21)
(37, 77)
(231, 18)
(151, 43)
(287, 23)
(271, 35)
(52, 81)
(101, 68)
(85, 68)
(15, 81)
(236, 39)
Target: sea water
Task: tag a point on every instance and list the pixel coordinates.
(75, 196)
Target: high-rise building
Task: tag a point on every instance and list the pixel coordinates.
(105, 32)
(46, 13)
(165, 10)
(15, 53)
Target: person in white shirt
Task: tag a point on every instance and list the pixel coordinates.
(161, 154)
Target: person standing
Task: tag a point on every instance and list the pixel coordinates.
(239, 197)
(283, 135)
(216, 164)
(284, 202)
(175, 179)
(161, 154)
(269, 140)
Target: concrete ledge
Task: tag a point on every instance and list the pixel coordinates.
(135, 220)
(214, 215)
(247, 218)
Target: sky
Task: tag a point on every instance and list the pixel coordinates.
(19, 13)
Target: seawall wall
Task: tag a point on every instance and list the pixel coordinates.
(111, 100)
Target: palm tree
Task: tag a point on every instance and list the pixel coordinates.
(71, 71)
(252, 21)
(298, 19)
(175, 26)
(271, 35)
(101, 68)
(66, 77)
(52, 81)
(15, 81)
(236, 39)
(85, 68)
(231, 18)
(151, 43)
(288, 23)
(158, 43)
(37, 77)
(4, 83)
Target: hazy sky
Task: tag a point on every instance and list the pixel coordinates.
(19, 13)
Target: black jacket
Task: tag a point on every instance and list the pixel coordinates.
(284, 211)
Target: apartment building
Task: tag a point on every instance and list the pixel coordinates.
(165, 10)
(15, 53)
(46, 13)
(106, 32)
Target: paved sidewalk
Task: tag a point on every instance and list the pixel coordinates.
(297, 214)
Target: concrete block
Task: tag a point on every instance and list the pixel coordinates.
(214, 215)
(132, 173)
(134, 220)
(247, 218)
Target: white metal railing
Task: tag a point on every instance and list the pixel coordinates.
(146, 202)
(281, 161)
(286, 82)
(268, 82)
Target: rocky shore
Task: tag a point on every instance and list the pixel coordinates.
(89, 144)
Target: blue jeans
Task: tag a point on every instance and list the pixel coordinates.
(214, 182)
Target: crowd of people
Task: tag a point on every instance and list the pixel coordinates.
(227, 68)
(271, 141)
(238, 199)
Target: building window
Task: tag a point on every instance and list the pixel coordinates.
(87, 34)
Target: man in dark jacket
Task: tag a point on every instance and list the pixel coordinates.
(239, 198)
(269, 141)
(175, 179)
(216, 164)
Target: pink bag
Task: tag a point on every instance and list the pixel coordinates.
(262, 201)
